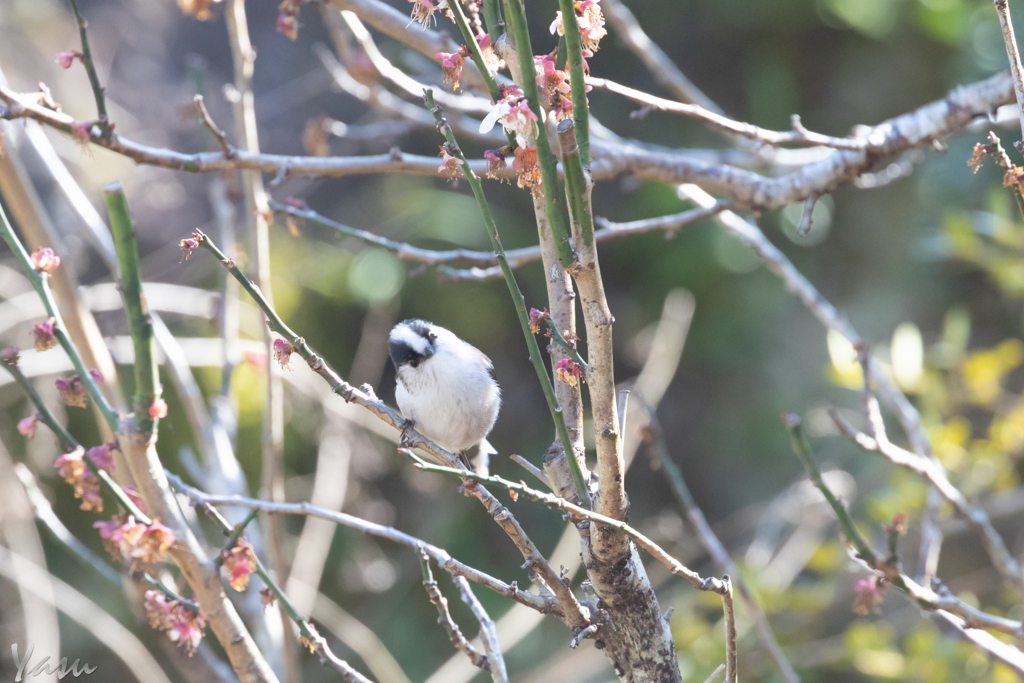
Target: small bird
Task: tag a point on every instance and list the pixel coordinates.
(445, 387)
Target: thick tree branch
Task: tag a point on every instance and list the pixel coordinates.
(749, 190)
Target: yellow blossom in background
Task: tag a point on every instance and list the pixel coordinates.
(908, 357)
(1007, 431)
(949, 442)
(983, 371)
(846, 370)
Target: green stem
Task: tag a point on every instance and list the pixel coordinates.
(575, 180)
(40, 281)
(802, 448)
(163, 588)
(557, 337)
(515, 16)
(492, 18)
(147, 372)
(574, 58)
(90, 68)
(69, 443)
(236, 533)
(560, 58)
(517, 298)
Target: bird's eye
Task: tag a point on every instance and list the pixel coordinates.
(414, 363)
(432, 337)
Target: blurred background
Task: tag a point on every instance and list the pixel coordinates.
(925, 257)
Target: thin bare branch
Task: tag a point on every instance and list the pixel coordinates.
(799, 134)
(445, 617)
(1013, 53)
(488, 631)
(749, 190)
(976, 517)
(731, 669)
(543, 604)
(204, 116)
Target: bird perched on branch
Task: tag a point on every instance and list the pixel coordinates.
(446, 388)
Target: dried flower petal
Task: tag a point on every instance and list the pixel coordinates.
(187, 247)
(569, 371)
(449, 164)
(72, 468)
(72, 391)
(267, 597)
(82, 132)
(870, 594)
(43, 335)
(536, 318)
(527, 165)
(135, 497)
(240, 563)
(496, 160)
(452, 63)
(182, 623)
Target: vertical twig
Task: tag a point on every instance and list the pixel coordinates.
(517, 296)
(40, 282)
(731, 672)
(574, 60)
(90, 68)
(1003, 10)
(147, 372)
(717, 551)
(598, 320)
(257, 215)
(445, 617)
(488, 631)
(515, 16)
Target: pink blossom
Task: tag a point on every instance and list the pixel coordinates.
(449, 164)
(495, 160)
(82, 132)
(44, 259)
(11, 355)
(102, 457)
(66, 59)
(183, 624)
(283, 350)
(870, 594)
(27, 426)
(188, 246)
(514, 114)
(73, 469)
(158, 409)
(423, 11)
(240, 562)
(451, 64)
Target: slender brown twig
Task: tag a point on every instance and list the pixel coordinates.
(445, 617)
(1013, 53)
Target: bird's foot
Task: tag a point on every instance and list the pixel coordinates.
(406, 440)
